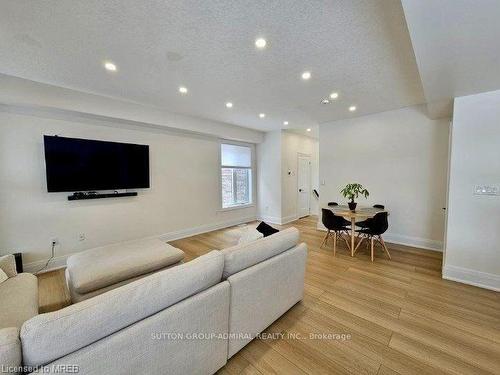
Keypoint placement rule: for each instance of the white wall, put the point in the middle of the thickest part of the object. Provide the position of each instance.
(277, 190)
(472, 253)
(184, 193)
(401, 157)
(269, 177)
(293, 145)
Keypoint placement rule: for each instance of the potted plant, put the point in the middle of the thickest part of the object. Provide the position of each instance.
(352, 191)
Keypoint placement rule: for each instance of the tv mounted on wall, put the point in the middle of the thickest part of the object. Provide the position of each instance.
(74, 164)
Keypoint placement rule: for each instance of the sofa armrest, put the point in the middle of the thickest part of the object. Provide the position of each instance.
(8, 265)
(262, 293)
(10, 350)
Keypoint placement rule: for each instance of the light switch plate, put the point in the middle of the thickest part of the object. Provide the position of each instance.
(487, 190)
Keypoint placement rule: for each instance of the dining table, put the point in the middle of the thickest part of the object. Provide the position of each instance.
(361, 213)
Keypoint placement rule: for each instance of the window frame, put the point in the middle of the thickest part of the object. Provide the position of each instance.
(253, 182)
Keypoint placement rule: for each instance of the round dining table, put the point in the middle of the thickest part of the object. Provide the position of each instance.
(361, 213)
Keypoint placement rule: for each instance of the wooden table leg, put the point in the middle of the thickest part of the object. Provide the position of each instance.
(353, 222)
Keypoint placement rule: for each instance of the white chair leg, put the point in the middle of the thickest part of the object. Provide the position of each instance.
(334, 242)
(325, 240)
(385, 247)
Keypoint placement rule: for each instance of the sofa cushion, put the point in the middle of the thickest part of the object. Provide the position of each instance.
(107, 265)
(47, 337)
(242, 256)
(18, 300)
(8, 265)
(77, 297)
(249, 235)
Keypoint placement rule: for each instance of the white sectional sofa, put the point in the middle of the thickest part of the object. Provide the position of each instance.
(18, 303)
(188, 319)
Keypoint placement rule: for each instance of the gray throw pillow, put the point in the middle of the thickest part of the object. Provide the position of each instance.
(8, 265)
(3, 276)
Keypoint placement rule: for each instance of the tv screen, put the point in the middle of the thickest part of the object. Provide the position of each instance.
(74, 164)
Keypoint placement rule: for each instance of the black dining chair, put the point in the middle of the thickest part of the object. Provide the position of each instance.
(377, 226)
(334, 204)
(366, 223)
(334, 225)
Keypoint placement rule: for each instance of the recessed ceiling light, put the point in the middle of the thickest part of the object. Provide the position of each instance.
(352, 108)
(306, 75)
(325, 101)
(183, 90)
(229, 105)
(260, 43)
(308, 129)
(110, 66)
(334, 95)
(262, 115)
(285, 123)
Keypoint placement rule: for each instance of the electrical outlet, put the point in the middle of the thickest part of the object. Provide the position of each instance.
(486, 190)
(81, 237)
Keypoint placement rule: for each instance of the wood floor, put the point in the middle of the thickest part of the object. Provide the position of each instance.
(401, 316)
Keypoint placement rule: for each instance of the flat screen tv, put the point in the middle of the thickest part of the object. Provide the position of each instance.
(74, 164)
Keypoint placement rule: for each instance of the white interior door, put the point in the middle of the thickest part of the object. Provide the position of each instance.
(304, 185)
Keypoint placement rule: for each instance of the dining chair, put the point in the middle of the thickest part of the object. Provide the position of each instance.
(334, 204)
(374, 231)
(335, 226)
(366, 223)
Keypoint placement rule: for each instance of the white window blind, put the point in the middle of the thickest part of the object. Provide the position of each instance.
(236, 156)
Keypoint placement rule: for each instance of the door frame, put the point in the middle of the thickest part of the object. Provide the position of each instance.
(304, 156)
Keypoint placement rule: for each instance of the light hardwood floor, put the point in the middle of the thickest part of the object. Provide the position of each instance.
(402, 317)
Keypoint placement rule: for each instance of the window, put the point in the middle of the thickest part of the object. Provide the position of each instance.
(236, 175)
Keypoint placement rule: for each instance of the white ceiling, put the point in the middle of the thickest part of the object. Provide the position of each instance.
(361, 49)
(457, 48)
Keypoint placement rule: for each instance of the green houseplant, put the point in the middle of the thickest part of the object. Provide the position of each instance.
(352, 191)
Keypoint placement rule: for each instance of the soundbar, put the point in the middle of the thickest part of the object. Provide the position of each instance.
(81, 196)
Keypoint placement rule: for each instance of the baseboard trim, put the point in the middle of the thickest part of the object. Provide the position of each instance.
(60, 261)
(183, 233)
(472, 277)
(278, 220)
(422, 243)
(289, 219)
(270, 219)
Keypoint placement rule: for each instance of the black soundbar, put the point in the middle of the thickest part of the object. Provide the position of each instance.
(80, 196)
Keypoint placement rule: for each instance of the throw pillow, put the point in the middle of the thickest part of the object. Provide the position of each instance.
(8, 265)
(249, 235)
(266, 229)
(3, 276)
